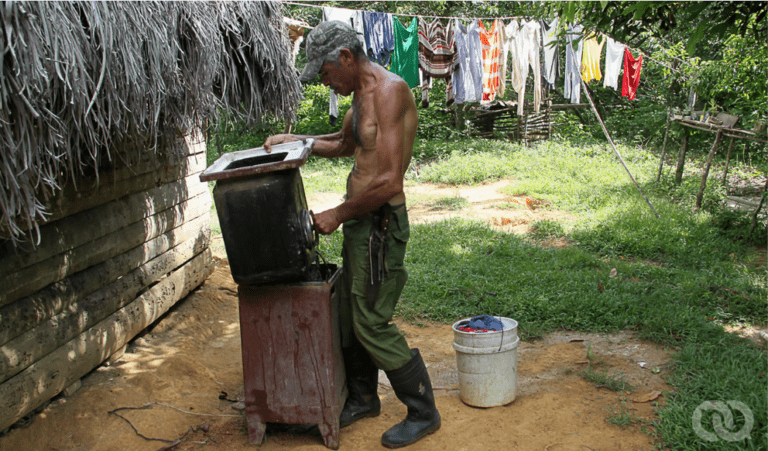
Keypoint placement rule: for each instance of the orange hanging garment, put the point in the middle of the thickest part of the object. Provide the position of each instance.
(491, 42)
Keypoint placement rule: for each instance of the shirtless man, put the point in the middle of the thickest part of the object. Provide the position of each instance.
(378, 131)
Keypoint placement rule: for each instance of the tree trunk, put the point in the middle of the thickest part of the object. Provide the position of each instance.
(704, 176)
(681, 157)
(727, 163)
(664, 146)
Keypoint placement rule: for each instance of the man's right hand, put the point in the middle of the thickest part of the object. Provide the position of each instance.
(278, 139)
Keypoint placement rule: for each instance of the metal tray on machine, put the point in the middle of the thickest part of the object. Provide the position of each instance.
(245, 163)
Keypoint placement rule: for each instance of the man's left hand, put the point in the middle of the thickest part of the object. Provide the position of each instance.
(326, 222)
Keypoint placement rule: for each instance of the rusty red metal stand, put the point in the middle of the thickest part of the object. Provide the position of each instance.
(292, 362)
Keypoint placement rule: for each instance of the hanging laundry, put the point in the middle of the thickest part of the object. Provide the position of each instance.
(503, 59)
(523, 39)
(425, 81)
(550, 48)
(354, 19)
(631, 79)
(296, 30)
(437, 49)
(468, 72)
(491, 44)
(614, 56)
(511, 37)
(405, 59)
(572, 88)
(351, 17)
(590, 62)
(379, 38)
(437, 54)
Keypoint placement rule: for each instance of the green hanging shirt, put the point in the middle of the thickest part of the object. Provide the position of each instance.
(405, 59)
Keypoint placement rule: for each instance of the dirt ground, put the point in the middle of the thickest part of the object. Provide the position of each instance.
(180, 385)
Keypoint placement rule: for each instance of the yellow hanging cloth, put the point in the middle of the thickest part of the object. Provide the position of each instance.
(590, 60)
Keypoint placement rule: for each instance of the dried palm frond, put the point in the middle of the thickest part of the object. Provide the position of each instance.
(78, 77)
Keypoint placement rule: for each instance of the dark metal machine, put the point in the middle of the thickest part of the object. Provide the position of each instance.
(267, 228)
(292, 365)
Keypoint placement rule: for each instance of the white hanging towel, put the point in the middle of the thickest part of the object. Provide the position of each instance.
(572, 88)
(549, 48)
(614, 58)
(523, 40)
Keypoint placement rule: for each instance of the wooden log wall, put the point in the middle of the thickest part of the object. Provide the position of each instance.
(113, 258)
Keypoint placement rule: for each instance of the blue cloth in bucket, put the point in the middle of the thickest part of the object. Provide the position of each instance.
(485, 322)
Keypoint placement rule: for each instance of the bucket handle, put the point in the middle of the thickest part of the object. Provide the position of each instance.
(493, 350)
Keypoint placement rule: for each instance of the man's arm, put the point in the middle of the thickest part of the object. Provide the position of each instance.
(333, 145)
(392, 104)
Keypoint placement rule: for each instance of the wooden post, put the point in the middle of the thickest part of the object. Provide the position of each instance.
(706, 169)
(681, 157)
(759, 207)
(615, 150)
(664, 147)
(727, 163)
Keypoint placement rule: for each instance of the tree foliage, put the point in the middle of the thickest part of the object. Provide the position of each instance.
(694, 22)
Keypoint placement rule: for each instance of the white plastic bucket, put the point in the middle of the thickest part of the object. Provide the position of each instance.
(487, 363)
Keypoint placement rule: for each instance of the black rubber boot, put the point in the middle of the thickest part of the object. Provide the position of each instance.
(413, 387)
(362, 386)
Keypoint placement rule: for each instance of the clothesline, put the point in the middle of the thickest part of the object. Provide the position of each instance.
(635, 50)
(645, 55)
(413, 15)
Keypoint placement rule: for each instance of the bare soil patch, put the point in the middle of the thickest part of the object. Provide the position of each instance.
(183, 378)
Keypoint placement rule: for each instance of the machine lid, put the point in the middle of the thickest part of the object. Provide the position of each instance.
(244, 163)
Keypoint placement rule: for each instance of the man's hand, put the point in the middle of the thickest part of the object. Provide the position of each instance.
(327, 222)
(278, 139)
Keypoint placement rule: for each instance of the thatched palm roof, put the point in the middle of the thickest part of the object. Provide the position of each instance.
(77, 77)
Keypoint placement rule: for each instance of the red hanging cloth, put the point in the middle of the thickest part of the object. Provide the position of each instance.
(631, 78)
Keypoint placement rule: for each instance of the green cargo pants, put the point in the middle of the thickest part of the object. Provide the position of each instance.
(373, 327)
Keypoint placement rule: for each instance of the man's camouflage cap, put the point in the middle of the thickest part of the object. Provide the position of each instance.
(324, 40)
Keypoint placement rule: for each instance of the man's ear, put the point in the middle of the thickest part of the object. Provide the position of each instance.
(346, 56)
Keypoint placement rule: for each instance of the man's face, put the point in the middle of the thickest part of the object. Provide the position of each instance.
(335, 74)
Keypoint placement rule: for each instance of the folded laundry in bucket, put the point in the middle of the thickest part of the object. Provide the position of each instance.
(484, 323)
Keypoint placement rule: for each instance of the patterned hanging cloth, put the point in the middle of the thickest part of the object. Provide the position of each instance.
(491, 42)
(437, 54)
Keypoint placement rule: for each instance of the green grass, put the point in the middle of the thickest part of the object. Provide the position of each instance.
(613, 382)
(322, 175)
(679, 277)
(450, 203)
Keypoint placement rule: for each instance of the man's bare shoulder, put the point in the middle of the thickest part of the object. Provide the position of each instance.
(392, 89)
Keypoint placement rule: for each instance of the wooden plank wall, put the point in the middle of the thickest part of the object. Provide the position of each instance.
(112, 259)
